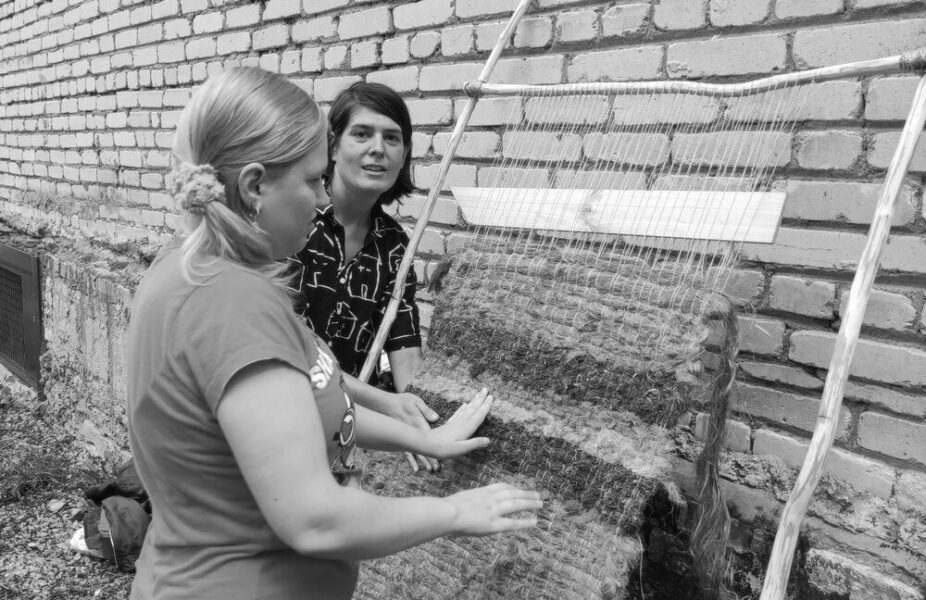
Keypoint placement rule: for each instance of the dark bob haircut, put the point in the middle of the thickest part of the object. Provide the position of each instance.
(385, 101)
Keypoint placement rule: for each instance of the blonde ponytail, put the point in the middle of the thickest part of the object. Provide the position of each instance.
(238, 117)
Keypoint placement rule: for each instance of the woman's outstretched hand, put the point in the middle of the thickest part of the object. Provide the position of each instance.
(485, 510)
(453, 437)
(411, 409)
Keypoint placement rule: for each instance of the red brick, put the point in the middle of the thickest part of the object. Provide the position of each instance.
(543, 146)
(890, 98)
(362, 23)
(424, 43)
(335, 58)
(458, 175)
(513, 177)
(731, 13)
(837, 44)
(647, 109)
(395, 50)
(327, 88)
(444, 212)
(673, 15)
(577, 111)
(425, 13)
(314, 29)
(480, 8)
(891, 436)
(421, 144)
(535, 32)
(641, 149)
(883, 145)
(826, 101)
(743, 286)
(862, 474)
(786, 408)
(803, 297)
(492, 111)
(475, 144)
(740, 149)
(842, 201)
(576, 26)
(837, 250)
(431, 111)
(644, 62)
(547, 68)
(624, 19)
(885, 310)
(454, 41)
(887, 399)
(830, 150)
(874, 360)
(605, 179)
(432, 242)
(787, 9)
(740, 55)
(776, 373)
(761, 335)
(442, 77)
(403, 79)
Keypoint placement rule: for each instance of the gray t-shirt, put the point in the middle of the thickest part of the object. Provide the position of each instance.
(208, 538)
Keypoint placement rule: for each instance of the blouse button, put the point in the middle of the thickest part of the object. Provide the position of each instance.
(343, 280)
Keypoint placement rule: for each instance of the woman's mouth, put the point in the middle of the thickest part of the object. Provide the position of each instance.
(374, 168)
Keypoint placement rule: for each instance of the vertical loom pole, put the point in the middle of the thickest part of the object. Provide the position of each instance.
(397, 291)
(779, 568)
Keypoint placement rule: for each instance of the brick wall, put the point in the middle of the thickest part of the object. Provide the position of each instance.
(90, 90)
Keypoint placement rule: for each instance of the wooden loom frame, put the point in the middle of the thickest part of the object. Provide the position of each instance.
(779, 566)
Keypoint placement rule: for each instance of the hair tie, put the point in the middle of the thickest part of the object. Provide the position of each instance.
(194, 187)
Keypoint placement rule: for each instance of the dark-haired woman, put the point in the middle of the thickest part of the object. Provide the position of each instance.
(348, 267)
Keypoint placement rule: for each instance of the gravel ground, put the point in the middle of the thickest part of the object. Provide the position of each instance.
(42, 479)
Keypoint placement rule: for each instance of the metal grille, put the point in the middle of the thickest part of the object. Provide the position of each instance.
(20, 314)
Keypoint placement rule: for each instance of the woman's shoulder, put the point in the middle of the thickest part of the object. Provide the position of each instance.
(239, 282)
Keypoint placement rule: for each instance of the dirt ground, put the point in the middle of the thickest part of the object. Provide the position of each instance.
(42, 479)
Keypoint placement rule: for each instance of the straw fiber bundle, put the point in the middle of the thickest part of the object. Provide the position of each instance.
(588, 385)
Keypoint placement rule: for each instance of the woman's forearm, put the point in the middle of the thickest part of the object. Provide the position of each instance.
(377, 431)
(404, 363)
(368, 396)
(356, 529)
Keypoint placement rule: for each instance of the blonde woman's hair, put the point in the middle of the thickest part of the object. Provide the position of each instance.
(238, 117)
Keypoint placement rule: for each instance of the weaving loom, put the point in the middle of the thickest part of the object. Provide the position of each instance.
(589, 298)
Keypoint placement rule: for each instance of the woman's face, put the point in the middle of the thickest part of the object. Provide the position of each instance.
(288, 202)
(369, 154)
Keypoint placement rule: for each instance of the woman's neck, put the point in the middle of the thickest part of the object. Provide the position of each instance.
(351, 208)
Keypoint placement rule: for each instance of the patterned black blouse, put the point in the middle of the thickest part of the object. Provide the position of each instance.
(345, 304)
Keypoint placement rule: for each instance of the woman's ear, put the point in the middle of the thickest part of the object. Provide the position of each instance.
(250, 180)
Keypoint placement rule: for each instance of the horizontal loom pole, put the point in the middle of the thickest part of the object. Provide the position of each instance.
(408, 258)
(909, 62)
(779, 568)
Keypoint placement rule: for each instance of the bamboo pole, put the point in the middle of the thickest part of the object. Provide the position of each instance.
(393, 307)
(902, 63)
(776, 577)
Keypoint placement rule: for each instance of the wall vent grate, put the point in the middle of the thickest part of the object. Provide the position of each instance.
(20, 313)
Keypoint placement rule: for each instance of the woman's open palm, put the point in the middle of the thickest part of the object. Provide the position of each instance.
(453, 438)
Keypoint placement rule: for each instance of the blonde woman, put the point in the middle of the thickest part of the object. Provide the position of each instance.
(241, 425)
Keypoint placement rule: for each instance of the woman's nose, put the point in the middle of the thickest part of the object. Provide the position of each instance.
(376, 144)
